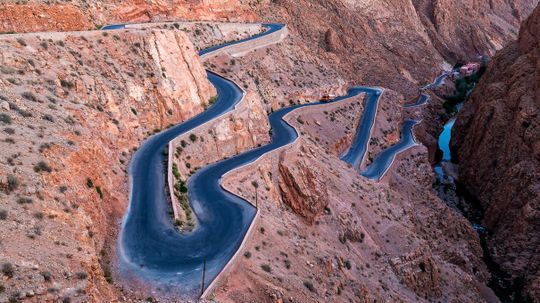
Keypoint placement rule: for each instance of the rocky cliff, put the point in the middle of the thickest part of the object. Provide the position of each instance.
(497, 141)
(73, 108)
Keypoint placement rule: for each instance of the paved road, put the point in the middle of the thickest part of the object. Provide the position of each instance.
(358, 150)
(384, 159)
(437, 82)
(149, 246)
(423, 99)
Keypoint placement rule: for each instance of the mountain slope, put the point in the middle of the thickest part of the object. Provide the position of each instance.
(497, 140)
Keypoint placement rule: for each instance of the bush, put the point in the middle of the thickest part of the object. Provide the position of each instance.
(13, 183)
(48, 117)
(266, 268)
(29, 96)
(47, 276)
(67, 84)
(193, 137)
(181, 186)
(42, 166)
(247, 254)
(5, 118)
(3, 214)
(175, 171)
(8, 270)
(310, 286)
(9, 130)
(24, 200)
(89, 183)
(212, 100)
(100, 193)
(81, 275)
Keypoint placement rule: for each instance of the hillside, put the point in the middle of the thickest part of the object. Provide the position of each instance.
(497, 140)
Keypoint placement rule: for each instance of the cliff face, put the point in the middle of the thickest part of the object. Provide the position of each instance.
(497, 140)
(398, 44)
(73, 108)
(461, 30)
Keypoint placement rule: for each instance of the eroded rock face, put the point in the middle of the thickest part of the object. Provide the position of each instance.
(301, 188)
(41, 17)
(453, 25)
(419, 272)
(497, 140)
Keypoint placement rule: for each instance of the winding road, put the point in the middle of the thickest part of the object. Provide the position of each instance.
(423, 99)
(150, 247)
(356, 154)
(382, 162)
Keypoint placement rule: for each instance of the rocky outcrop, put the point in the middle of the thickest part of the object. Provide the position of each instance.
(497, 141)
(37, 18)
(419, 271)
(143, 11)
(300, 188)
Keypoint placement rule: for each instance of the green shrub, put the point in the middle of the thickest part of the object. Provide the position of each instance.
(3, 214)
(181, 186)
(175, 171)
(193, 137)
(89, 183)
(5, 118)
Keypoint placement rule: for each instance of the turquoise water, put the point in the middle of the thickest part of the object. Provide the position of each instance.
(444, 140)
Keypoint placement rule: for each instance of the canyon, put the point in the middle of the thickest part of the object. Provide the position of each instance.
(497, 142)
(76, 106)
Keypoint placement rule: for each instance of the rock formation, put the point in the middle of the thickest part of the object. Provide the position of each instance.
(301, 189)
(497, 141)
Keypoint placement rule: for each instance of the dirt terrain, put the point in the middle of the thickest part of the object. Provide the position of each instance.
(75, 106)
